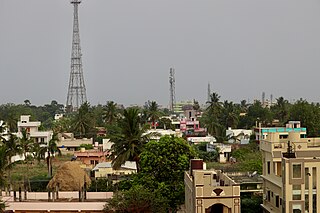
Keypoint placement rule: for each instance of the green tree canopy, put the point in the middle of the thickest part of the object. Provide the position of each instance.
(163, 165)
(138, 199)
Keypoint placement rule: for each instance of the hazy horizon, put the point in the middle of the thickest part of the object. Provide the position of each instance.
(242, 48)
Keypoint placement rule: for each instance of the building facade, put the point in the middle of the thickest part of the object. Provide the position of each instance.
(261, 133)
(210, 191)
(32, 129)
(290, 173)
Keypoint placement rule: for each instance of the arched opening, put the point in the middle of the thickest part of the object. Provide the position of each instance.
(218, 208)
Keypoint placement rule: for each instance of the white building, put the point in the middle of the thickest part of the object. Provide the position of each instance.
(58, 116)
(67, 142)
(106, 145)
(224, 151)
(105, 169)
(156, 134)
(241, 136)
(32, 128)
(198, 140)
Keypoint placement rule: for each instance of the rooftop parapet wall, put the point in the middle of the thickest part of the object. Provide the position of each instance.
(68, 201)
(274, 143)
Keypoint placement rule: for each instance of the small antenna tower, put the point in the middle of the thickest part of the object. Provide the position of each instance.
(209, 92)
(77, 90)
(172, 90)
(271, 99)
(263, 98)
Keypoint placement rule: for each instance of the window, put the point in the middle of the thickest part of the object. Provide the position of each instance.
(268, 196)
(296, 192)
(306, 178)
(314, 203)
(277, 201)
(296, 170)
(306, 202)
(277, 168)
(296, 208)
(268, 167)
(314, 177)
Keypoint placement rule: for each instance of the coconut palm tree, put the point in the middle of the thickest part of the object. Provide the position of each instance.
(4, 164)
(244, 106)
(212, 115)
(281, 109)
(196, 105)
(83, 123)
(52, 149)
(11, 122)
(129, 140)
(153, 112)
(26, 145)
(214, 104)
(13, 148)
(110, 112)
(230, 114)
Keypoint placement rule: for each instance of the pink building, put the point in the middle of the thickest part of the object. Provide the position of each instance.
(91, 157)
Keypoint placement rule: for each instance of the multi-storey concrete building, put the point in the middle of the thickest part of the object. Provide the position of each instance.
(210, 191)
(292, 126)
(291, 169)
(32, 129)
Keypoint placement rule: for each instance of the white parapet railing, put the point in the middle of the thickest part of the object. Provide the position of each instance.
(68, 201)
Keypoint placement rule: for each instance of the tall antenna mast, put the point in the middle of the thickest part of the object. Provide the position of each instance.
(172, 90)
(77, 90)
(209, 92)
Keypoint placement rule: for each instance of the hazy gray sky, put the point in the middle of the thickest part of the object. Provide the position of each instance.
(242, 47)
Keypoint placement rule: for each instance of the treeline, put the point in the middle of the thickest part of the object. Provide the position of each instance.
(218, 115)
(83, 122)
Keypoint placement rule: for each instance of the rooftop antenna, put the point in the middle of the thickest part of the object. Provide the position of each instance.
(76, 90)
(172, 90)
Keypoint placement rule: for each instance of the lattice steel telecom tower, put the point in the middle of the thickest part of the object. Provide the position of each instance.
(172, 90)
(77, 90)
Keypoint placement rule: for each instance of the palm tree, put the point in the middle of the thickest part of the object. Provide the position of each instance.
(230, 114)
(196, 105)
(244, 106)
(153, 112)
(3, 165)
(110, 113)
(281, 109)
(52, 148)
(214, 104)
(26, 145)
(11, 122)
(212, 115)
(13, 148)
(129, 140)
(83, 122)
(2, 129)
